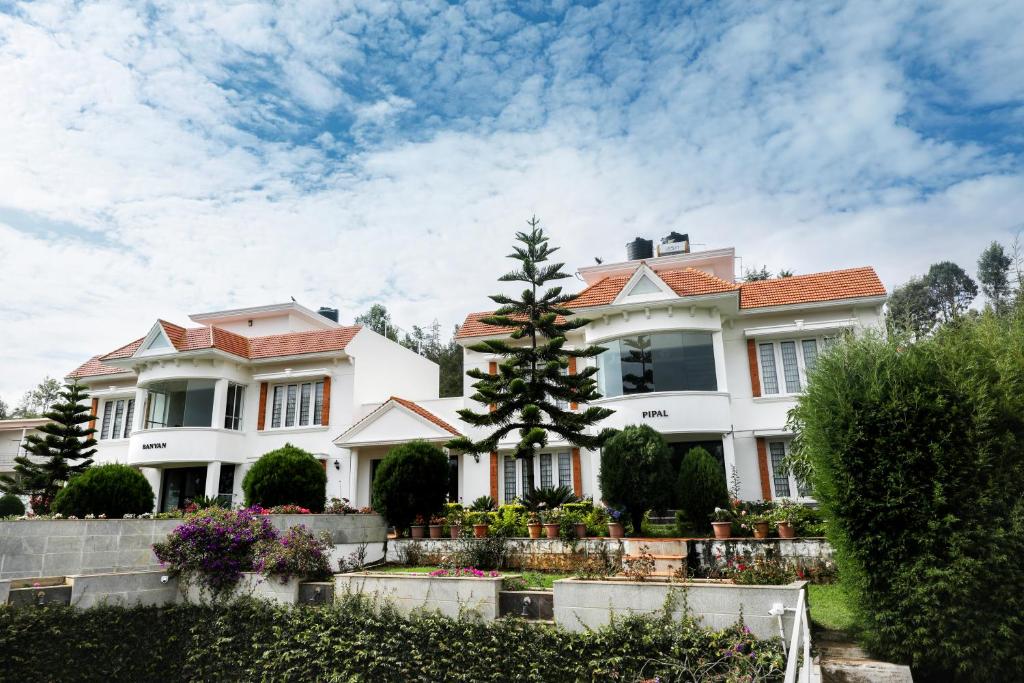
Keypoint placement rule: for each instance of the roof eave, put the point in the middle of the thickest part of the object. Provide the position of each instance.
(828, 303)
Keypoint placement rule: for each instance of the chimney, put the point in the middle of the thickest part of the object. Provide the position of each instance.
(674, 243)
(329, 313)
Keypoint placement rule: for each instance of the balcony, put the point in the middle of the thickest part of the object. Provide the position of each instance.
(183, 445)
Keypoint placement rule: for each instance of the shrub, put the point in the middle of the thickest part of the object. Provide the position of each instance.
(701, 487)
(111, 490)
(287, 476)
(11, 506)
(483, 504)
(510, 521)
(913, 451)
(297, 553)
(411, 480)
(550, 499)
(634, 470)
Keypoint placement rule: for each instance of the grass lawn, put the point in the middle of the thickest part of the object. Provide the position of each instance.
(533, 579)
(832, 607)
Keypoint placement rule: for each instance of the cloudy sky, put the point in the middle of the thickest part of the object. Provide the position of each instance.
(169, 158)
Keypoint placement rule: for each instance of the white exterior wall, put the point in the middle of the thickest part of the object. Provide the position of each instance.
(388, 369)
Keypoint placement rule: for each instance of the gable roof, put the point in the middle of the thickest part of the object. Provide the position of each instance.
(834, 285)
(423, 412)
(385, 408)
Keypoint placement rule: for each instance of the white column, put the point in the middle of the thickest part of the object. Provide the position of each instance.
(220, 402)
(152, 475)
(718, 344)
(729, 457)
(212, 479)
(353, 478)
(139, 416)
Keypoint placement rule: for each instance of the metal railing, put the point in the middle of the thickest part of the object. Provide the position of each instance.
(798, 659)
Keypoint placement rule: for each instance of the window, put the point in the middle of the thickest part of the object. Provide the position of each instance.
(528, 484)
(233, 410)
(117, 418)
(795, 357)
(297, 405)
(180, 403)
(226, 484)
(564, 470)
(510, 479)
(784, 482)
(545, 471)
(665, 361)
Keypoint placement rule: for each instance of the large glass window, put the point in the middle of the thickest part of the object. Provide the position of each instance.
(564, 470)
(117, 418)
(233, 410)
(796, 357)
(297, 405)
(665, 361)
(180, 403)
(510, 479)
(784, 482)
(545, 471)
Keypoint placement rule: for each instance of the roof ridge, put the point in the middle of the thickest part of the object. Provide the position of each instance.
(804, 276)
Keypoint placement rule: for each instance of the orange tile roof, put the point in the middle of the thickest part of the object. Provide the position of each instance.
(800, 289)
(684, 282)
(126, 351)
(473, 327)
(423, 412)
(95, 367)
(297, 343)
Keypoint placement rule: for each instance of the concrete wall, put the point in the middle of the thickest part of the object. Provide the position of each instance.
(31, 549)
(408, 592)
(704, 551)
(524, 553)
(127, 589)
(251, 585)
(580, 605)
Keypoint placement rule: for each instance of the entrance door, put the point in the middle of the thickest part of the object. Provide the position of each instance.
(180, 485)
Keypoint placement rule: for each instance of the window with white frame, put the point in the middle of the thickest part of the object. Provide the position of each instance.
(510, 478)
(118, 414)
(545, 471)
(784, 483)
(564, 470)
(785, 364)
(297, 405)
(233, 409)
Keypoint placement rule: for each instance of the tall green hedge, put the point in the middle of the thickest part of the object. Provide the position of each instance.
(113, 490)
(411, 480)
(914, 451)
(636, 473)
(286, 476)
(253, 641)
(701, 487)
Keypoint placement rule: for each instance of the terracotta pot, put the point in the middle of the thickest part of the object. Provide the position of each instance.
(456, 530)
(786, 530)
(416, 531)
(551, 530)
(761, 529)
(534, 529)
(581, 530)
(480, 530)
(723, 530)
(435, 530)
(615, 530)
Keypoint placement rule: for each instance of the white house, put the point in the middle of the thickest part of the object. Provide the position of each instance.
(194, 407)
(12, 440)
(701, 358)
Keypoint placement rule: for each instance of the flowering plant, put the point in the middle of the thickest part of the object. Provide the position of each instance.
(552, 516)
(436, 520)
(287, 510)
(614, 516)
(298, 553)
(532, 518)
(339, 506)
(418, 521)
(721, 515)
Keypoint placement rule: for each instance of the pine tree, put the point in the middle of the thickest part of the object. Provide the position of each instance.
(532, 379)
(64, 449)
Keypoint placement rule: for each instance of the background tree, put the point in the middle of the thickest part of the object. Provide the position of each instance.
(636, 472)
(912, 308)
(994, 275)
(702, 487)
(411, 480)
(37, 401)
(379, 320)
(785, 272)
(531, 379)
(952, 289)
(754, 274)
(65, 448)
(4, 410)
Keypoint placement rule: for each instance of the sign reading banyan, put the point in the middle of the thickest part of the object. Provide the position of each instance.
(654, 413)
(147, 446)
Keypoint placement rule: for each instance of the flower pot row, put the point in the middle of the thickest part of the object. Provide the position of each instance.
(723, 530)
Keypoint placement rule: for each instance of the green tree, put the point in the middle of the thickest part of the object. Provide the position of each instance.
(379, 320)
(994, 275)
(702, 487)
(532, 378)
(912, 308)
(36, 402)
(785, 272)
(636, 472)
(411, 480)
(952, 289)
(755, 274)
(4, 410)
(64, 449)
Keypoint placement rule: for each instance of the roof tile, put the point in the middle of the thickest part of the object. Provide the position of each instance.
(801, 289)
(423, 412)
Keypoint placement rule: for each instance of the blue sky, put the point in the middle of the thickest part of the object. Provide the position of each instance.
(168, 158)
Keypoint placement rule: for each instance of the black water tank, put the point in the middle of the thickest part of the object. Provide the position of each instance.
(639, 249)
(674, 237)
(329, 313)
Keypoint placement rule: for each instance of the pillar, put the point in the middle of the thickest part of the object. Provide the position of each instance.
(152, 475)
(139, 416)
(729, 459)
(212, 479)
(220, 403)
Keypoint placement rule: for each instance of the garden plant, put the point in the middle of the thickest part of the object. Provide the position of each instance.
(286, 476)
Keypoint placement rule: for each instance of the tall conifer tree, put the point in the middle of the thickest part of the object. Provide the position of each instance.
(532, 380)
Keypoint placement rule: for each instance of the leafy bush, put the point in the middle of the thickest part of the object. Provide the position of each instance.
(111, 490)
(634, 469)
(701, 487)
(510, 521)
(253, 641)
(549, 499)
(913, 451)
(411, 480)
(286, 476)
(483, 504)
(297, 553)
(11, 506)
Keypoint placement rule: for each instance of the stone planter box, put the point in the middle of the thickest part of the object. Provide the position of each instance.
(450, 596)
(251, 585)
(582, 604)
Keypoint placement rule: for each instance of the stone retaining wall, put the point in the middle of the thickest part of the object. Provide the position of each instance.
(409, 592)
(127, 589)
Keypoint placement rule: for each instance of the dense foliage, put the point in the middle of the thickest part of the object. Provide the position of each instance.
(411, 481)
(251, 641)
(636, 472)
(64, 449)
(701, 487)
(296, 553)
(287, 476)
(540, 499)
(112, 490)
(11, 506)
(914, 452)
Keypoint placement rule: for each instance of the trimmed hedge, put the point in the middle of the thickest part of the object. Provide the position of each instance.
(11, 506)
(111, 490)
(701, 487)
(286, 476)
(411, 480)
(913, 451)
(252, 641)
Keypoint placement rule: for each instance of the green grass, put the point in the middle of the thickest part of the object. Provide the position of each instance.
(832, 607)
(543, 580)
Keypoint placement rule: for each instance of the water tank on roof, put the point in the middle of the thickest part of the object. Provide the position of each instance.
(674, 243)
(639, 249)
(329, 313)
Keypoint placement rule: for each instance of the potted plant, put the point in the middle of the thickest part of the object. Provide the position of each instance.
(455, 523)
(552, 522)
(785, 515)
(417, 527)
(481, 521)
(574, 519)
(436, 526)
(721, 520)
(615, 528)
(533, 524)
(762, 525)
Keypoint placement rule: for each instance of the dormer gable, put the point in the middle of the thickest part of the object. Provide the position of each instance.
(643, 286)
(159, 340)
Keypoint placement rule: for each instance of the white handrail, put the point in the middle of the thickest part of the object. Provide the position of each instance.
(801, 636)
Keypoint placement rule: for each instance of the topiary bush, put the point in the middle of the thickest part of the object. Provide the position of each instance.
(635, 467)
(701, 487)
(11, 506)
(112, 490)
(287, 476)
(411, 480)
(913, 451)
